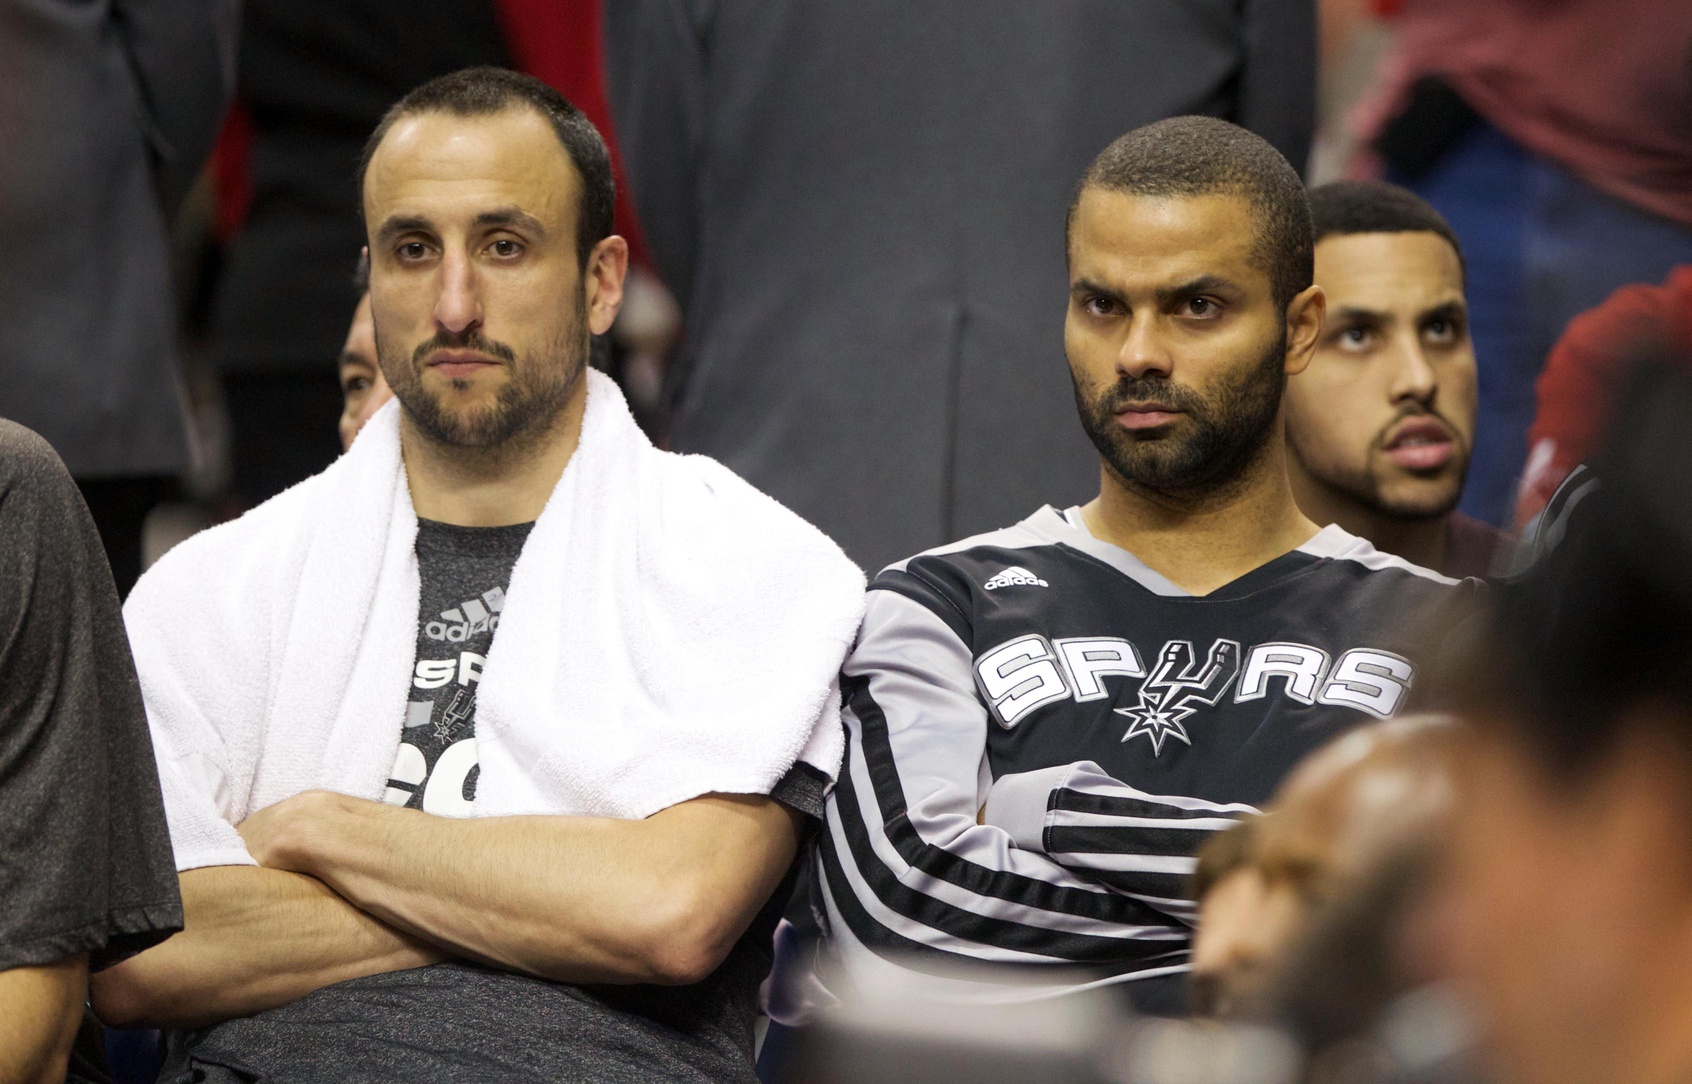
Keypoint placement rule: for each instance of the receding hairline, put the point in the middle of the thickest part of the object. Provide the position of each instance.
(515, 106)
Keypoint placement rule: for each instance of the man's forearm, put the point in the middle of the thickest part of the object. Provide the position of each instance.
(577, 899)
(40, 1008)
(253, 939)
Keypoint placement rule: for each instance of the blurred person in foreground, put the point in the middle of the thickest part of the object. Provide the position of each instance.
(486, 751)
(1381, 423)
(1357, 803)
(1047, 721)
(106, 112)
(1575, 394)
(85, 860)
(853, 202)
(1570, 901)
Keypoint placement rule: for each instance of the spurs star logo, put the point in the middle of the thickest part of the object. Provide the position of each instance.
(1177, 688)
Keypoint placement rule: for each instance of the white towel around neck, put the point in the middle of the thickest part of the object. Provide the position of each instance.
(669, 631)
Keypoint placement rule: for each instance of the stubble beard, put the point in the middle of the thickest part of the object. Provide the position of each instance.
(1224, 435)
(535, 394)
(1367, 488)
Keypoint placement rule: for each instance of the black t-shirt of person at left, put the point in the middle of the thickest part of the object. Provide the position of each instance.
(464, 572)
(85, 859)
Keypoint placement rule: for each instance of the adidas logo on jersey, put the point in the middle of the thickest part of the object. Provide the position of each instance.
(1015, 576)
(474, 615)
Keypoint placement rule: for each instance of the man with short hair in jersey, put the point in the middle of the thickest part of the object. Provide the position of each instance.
(1046, 721)
(1380, 424)
(487, 752)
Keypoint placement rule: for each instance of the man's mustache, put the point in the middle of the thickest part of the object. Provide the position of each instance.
(468, 341)
(1150, 389)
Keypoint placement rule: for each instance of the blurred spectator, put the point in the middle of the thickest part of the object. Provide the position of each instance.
(316, 76)
(1585, 367)
(1352, 807)
(363, 388)
(1244, 921)
(85, 860)
(1555, 139)
(856, 205)
(106, 112)
(1380, 425)
(1571, 894)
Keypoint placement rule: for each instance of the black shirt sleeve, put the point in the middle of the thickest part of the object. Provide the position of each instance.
(803, 788)
(85, 859)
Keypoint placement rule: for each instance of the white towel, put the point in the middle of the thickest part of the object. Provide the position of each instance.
(669, 631)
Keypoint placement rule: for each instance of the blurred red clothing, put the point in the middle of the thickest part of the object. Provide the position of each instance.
(1584, 371)
(1601, 87)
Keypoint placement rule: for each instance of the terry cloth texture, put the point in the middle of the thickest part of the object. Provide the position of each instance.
(671, 632)
(84, 857)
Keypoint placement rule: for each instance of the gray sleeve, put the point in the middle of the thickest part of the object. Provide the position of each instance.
(182, 55)
(1136, 843)
(905, 860)
(1277, 89)
(85, 859)
(655, 57)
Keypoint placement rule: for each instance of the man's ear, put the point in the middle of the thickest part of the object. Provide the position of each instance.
(602, 282)
(1304, 327)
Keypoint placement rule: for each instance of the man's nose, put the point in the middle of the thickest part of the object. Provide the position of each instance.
(1144, 351)
(458, 306)
(1413, 375)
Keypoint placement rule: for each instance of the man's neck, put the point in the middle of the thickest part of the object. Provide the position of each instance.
(1422, 541)
(1201, 543)
(491, 487)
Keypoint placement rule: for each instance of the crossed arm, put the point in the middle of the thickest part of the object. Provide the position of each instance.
(347, 887)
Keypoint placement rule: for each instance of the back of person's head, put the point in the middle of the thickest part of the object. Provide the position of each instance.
(1568, 893)
(1599, 622)
(1345, 208)
(486, 91)
(1187, 157)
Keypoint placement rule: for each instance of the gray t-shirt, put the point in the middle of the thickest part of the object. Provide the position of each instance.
(463, 1021)
(85, 862)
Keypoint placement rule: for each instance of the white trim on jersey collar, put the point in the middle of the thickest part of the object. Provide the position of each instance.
(1333, 542)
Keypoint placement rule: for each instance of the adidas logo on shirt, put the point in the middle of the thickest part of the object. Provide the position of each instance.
(1015, 576)
(474, 615)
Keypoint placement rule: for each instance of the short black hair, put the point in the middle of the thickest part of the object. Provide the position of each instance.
(1349, 207)
(484, 91)
(1203, 156)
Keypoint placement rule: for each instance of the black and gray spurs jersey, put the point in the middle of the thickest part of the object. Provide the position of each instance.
(1042, 730)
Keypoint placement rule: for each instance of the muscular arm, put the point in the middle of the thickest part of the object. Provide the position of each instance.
(577, 899)
(254, 939)
(40, 1008)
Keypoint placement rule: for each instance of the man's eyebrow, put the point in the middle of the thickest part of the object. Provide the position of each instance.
(1355, 314)
(1455, 308)
(1088, 286)
(398, 224)
(1203, 284)
(511, 216)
